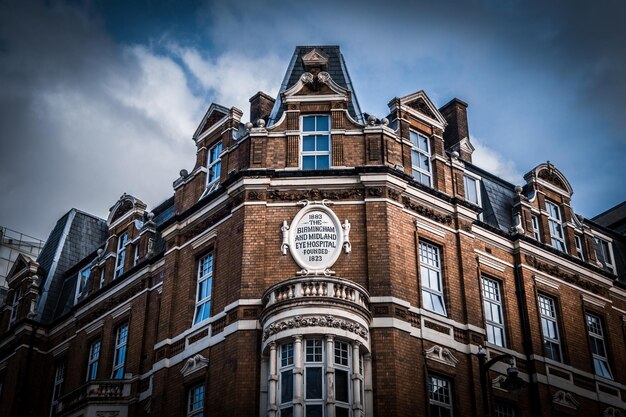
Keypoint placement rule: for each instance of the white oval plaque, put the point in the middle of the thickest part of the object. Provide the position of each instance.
(315, 238)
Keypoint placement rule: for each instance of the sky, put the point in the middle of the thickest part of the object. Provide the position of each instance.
(102, 97)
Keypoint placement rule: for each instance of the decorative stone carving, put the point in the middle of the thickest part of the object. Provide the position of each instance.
(284, 247)
(315, 194)
(421, 106)
(612, 412)
(306, 78)
(441, 354)
(312, 321)
(194, 364)
(347, 246)
(323, 77)
(315, 58)
(565, 399)
(556, 272)
(518, 228)
(426, 212)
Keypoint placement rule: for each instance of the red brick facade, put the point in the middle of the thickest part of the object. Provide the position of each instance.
(377, 297)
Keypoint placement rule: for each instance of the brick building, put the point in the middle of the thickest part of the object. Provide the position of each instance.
(320, 261)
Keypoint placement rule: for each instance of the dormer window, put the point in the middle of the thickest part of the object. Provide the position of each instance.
(122, 241)
(214, 167)
(81, 283)
(15, 305)
(605, 253)
(472, 189)
(420, 158)
(556, 226)
(315, 142)
(579, 247)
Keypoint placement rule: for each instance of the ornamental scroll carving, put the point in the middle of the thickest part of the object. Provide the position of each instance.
(312, 321)
(556, 272)
(315, 194)
(426, 212)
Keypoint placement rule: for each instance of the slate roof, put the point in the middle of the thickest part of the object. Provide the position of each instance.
(336, 68)
(613, 218)
(76, 235)
(497, 199)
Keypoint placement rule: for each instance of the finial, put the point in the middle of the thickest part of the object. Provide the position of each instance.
(260, 123)
(183, 173)
(371, 119)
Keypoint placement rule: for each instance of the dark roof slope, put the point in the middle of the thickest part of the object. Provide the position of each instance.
(613, 218)
(76, 235)
(336, 68)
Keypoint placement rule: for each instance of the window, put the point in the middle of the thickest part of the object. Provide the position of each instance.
(536, 229)
(556, 227)
(550, 328)
(15, 305)
(605, 254)
(94, 358)
(122, 241)
(286, 380)
(342, 379)
(440, 397)
(430, 273)
(214, 167)
(492, 302)
(503, 410)
(420, 157)
(315, 142)
(195, 402)
(598, 347)
(579, 247)
(472, 190)
(204, 288)
(59, 376)
(136, 257)
(81, 284)
(102, 277)
(119, 357)
(315, 378)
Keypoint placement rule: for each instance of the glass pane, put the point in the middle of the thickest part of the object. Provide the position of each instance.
(314, 410)
(308, 124)
(207, 310)
(286, 386)
(286, 412)
(322, 123)
(323, 162)
(427, 301)
(322, 143)
(423, 143)
(308, 162)
(313, 377)
(438, 304)
(308, 143)
(342, 412)
(341, 386)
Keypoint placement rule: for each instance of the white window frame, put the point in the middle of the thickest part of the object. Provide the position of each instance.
(428, 267)
(102, 277)
(428, 153)
(214, 166)
(80, 285)
(446, 384)
(342, 361)
(579, 247)
(475, 185)
(121, 347)
(536, 227)
(120, 255)
(136, 255)
(94, 359)
(607, 252)
(195, 396)
(556, 226)
(204, 277)
(59, 377)
(286, 364)
(313, 364)
(15, 305)
(596, 332)
(550, 314)
(503, 410)
(493, 305)
(315, 132)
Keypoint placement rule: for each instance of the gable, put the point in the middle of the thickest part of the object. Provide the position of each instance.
(214, 114)
(420, 106)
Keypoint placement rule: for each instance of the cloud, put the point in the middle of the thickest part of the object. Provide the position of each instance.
(233, 78)
(492, 161)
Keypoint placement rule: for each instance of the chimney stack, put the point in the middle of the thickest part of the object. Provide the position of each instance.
(260, 106)
(456, 134)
